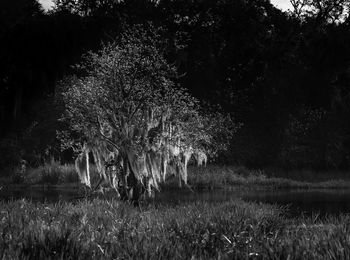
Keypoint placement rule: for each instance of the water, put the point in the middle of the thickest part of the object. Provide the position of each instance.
(298, 201)
(40, 194)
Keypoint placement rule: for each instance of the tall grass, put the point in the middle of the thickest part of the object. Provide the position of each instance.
(102, 229)
(52, 173)
(213, 177)
(210, 177)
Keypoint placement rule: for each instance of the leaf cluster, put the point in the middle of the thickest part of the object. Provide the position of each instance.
(128, 96)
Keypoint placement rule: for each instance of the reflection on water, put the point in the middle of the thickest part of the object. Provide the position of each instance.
(38, 194)
(299, 201)
(307, 201)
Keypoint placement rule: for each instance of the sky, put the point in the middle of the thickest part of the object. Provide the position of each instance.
(282, 4)
(47, 4)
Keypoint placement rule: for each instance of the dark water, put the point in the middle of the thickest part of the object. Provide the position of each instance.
(298, 201)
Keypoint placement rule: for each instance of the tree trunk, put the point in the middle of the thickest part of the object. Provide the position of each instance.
(130, 188)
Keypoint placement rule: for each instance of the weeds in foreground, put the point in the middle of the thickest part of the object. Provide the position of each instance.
(102, 229)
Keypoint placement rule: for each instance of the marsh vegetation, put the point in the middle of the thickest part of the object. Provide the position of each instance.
(182, 224)
(109, 229)
(199, 178)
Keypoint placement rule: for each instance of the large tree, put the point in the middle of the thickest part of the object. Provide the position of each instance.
(126, 104)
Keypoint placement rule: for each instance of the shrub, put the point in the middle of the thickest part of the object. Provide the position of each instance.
(53, 173)
(10, 154)
(17, 178)
(50, 175)
(313, 140)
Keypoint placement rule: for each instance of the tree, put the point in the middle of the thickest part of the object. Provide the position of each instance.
(323, 11)
(127, 105)
(15, 18)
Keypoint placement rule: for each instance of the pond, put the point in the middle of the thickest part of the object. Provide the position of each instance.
(298, 201)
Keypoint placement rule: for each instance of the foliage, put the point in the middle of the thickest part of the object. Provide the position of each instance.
(202, 178)
(227, 177)
(17, 178)
(259, 63)
(39, 138)
(51, 173)
(10, 153)
(110, 229)
(128, 86)
(322, 11)
(127, 99)
(302, 137)
(36, 143)
(313, 139)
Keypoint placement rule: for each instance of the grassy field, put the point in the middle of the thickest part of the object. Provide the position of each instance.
(101, 229)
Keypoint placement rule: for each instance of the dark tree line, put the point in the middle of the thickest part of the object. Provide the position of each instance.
(284, 76)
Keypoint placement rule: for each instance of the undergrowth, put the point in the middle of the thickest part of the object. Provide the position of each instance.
(213, 177)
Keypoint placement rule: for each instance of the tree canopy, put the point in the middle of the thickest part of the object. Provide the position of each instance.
(127, 98)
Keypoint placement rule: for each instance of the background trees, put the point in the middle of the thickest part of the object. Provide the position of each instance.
(260, 64)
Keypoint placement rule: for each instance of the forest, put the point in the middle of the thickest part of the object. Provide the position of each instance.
(281, 76)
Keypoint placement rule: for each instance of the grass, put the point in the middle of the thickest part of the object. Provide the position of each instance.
(54, 174)
(214, 177)
(101, 229)
(210, 177)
